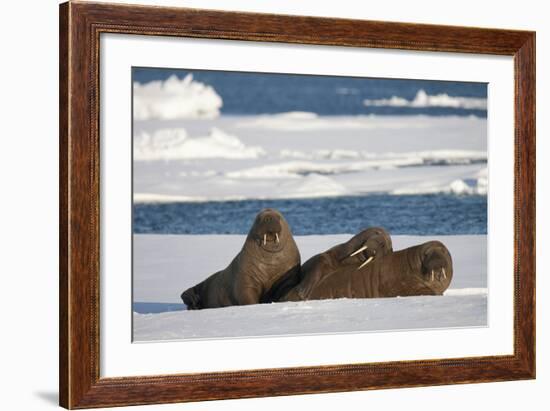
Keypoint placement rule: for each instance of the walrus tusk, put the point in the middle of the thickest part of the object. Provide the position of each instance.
(444, 274)
(433, 276)
(358, 251)
(265, 238)
(366, 262)
(277, 237)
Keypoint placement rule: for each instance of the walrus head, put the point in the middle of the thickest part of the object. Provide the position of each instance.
(270, 230)
(363, 248)
(425, 269)
(436, 265)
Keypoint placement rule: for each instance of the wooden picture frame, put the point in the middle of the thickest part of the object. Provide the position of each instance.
(80, 27)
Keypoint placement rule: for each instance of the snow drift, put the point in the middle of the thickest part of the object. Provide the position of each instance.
(175, 99)
(477, 185)
(174, 144)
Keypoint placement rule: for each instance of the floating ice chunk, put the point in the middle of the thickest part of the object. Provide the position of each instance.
(482, 181)
(175, 99)
(297, 115)
(174, 144)
(457, 187)
(423, 99)
(460, 187)
(393, 101)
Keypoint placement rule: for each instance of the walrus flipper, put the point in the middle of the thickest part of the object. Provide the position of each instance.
(191, 298)
(286, 283)
(314, 271)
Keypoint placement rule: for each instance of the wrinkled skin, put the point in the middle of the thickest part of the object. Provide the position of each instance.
(425, 269)
(360, 251)
(269, 255)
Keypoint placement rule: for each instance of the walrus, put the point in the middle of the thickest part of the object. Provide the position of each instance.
(424, 269)
(363, 248)
(269, 254)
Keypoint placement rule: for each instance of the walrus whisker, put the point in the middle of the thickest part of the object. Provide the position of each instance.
(358, 251)
(265, 239)
(366, 262)
(277, 237)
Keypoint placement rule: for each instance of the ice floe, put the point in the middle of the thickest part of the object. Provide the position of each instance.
(422, 100)
(174, 144)
(175, 99)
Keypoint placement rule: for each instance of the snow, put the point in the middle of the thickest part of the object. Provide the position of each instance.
(435, 184)
(310, 186)
(305, 155)
(175, 99)
(390, 158)
(314, 317)
(303, 180)
(466, 291)
(165, 265)
(304, 121)
(422, 99)
(174, 144)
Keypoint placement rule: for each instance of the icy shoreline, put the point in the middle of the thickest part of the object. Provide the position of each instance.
(165, 265)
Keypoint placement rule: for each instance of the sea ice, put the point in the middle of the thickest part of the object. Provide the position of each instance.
(175, 99)
(423, 99)
(165, 265)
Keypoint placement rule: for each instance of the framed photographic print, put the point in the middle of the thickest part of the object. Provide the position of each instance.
(257, 205)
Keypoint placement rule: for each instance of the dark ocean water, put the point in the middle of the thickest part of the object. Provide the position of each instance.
(252, 93)
(407, 214)
(156, 308)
